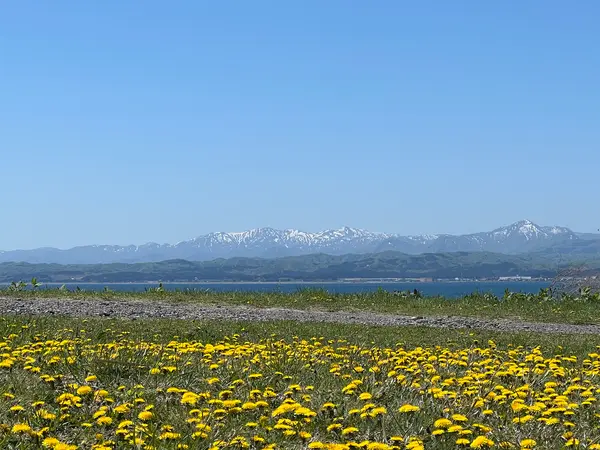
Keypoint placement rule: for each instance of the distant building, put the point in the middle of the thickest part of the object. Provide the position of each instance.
(514, 278)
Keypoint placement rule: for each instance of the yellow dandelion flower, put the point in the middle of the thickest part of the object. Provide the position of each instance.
(21, 428)
(408, 408)
(104, 420)
(481, 441)
(50, 442)
(442, 423)
(459, 418)
(84, 390)
(145, 415)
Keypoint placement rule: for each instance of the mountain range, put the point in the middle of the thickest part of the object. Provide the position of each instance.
(518, 238)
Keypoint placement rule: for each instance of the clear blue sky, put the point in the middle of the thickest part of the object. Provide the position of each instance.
(127, 122)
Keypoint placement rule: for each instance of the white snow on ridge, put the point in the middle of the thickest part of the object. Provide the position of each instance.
(287, 237)
(424, 237)
(293, 237)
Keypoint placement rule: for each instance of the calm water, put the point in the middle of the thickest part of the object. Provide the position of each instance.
(449, 289)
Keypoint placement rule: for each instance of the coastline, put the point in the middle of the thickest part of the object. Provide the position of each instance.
(360, 281)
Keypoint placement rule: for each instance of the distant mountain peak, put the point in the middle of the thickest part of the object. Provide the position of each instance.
(520, 223)
(531, 230)
(526, 228)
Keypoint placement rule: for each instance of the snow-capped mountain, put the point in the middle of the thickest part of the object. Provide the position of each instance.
(268, 242)
(520, 237)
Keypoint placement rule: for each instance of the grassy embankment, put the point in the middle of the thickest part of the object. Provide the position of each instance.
(541, 307)
(160, 384)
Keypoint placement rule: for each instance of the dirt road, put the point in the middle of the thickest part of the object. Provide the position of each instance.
(133, 309)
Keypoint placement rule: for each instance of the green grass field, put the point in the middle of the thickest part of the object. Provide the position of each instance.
(161, 384)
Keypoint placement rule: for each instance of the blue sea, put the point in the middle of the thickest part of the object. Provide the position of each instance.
(446, 289)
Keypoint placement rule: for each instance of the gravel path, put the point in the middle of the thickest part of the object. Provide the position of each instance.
(133, 309)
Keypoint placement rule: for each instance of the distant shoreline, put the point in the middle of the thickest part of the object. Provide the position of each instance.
(362, 281)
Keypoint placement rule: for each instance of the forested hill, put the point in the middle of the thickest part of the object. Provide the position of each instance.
(315, 267)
